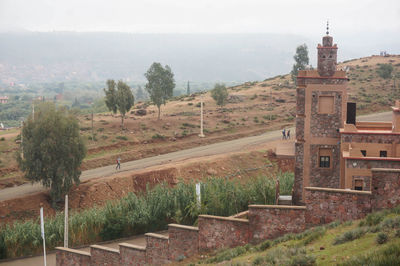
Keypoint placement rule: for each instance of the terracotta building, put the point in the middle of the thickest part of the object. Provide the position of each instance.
(333, 150)
(3, 99)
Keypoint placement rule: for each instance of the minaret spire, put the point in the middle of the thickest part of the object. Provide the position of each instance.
(327, 27)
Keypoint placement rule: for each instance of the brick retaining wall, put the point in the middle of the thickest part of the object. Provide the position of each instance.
(132, 255)
(325, 205)
(217, 232)
(183, 241)
(270, 221)
(101, 255)
(156, 249)
(68, 256)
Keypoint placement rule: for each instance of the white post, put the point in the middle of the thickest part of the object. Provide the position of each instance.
(198, 194)
(66, 222)
(201, 135)
(43, 236)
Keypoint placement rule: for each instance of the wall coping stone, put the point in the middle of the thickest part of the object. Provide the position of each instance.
(180, 226)
(105, 248)
(336, 190)
(278, 207)
(84, 253)
(157, 236)
(385, 170)
(224, 218)
(142, 248)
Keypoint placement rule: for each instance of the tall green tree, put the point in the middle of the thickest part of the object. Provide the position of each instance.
(160, 84)
(120, 99)
(52, 149)
(301, 60)
(220, 94)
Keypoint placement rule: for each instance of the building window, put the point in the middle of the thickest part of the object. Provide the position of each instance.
(358, 185)
(383, 154)
(324, 161)
(364, 152)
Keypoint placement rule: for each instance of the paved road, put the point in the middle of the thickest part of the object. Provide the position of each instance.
(207, 150)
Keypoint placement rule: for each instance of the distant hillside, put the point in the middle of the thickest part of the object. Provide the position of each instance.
(62, 56)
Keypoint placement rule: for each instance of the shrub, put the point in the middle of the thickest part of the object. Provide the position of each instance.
(190, 104)
(389, 255)
(258, 261)
(100, 129)
(349, 236)
(385, 71)
(264, 245)
(381, 238)
(374, 218)
(121, 137)
(158, 136)
(2, 139)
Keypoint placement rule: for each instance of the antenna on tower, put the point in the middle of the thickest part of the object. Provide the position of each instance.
(327, 27)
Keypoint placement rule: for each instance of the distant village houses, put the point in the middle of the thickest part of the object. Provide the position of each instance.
(3, 99)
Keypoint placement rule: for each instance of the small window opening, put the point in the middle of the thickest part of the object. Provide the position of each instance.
(364, 152)
(324, 161)
(358, 185)
(383, 154)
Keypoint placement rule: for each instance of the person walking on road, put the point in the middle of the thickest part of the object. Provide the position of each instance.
(288, 134)
(118, 163)
(284, 134)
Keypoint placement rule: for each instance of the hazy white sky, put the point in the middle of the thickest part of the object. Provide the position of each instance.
(201, 16)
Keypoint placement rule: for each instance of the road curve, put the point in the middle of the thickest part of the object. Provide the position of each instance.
(207, 150)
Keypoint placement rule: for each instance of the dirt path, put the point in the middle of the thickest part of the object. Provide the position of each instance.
(242, 144)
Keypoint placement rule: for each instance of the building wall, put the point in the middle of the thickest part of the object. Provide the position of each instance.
(132, 255)
(361, 168)
(385, 188)
(271, 221)
(326, 205)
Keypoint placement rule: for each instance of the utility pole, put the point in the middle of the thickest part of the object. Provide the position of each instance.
(22, 138)
(92, 127)
(66, 222)
(201, 135)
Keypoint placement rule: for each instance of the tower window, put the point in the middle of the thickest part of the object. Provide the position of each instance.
(364, 152)
(324, 161)
(383, 154)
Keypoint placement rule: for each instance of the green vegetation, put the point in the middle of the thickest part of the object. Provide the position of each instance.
(120, 99)
(145, 212)
(52, 149)
(160, 84)
(220, 94)
(385, 71)
(301, 60)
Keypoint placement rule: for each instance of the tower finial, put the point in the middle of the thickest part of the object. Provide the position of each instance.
(327, 27)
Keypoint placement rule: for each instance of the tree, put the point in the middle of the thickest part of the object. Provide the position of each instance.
(160, 84)
(385, 71)
(220, 94)
(301, 59)
(52, 149)
(140, 94)
(120, 99)
(188, 88)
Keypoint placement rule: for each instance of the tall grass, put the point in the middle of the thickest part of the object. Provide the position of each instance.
(146, 212)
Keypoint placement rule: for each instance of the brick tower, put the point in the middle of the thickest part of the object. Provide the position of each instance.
(321, 110)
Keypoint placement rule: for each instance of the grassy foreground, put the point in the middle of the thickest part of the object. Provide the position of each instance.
(374, 240)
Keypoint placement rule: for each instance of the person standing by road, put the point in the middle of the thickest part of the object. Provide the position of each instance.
(288, 134)
(284, 134)
(118, 163)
